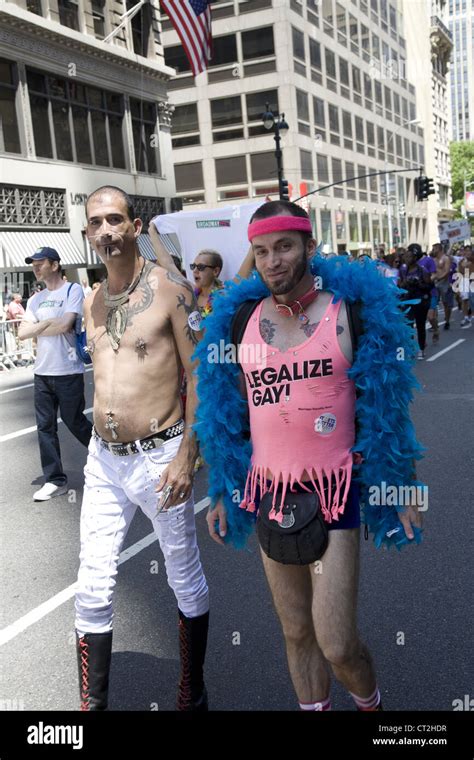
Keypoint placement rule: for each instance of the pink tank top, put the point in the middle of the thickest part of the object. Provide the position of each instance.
(302, 415)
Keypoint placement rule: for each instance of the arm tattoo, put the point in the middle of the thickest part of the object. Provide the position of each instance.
(179, 280)
(267, 330)
(188, 309)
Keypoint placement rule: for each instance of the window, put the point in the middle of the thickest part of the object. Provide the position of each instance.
(72, 122)
(231, 171)
(68, 14)
(337, 176)
(326, 229)
(258, 43)
(334, 124)
(396, 107)
(331, 70)
(34, 6)
(344, 78)
(328, 20)
(390, 145)
(141, 27)
(341, 24)
(144, 127)
(177, 59)
(298, 44)
(350, 186)
(188, 177)
(9, 135)
(388, 102)
(227, 112)
(347, 129)
(370, 138)
(375, 47)
(319, 117)
(185, 121)
(381, 142)
(224, 50)
(359, 132)
(263, 166)
(365, 42)
(306, 161)
(256, 105)
(315, 54)
(354, 34)
(356, 85)
(368, 91)
(378, 97)
(362, 182)
(98, 17)
(322, 172)
(330, 64)
(303, 112)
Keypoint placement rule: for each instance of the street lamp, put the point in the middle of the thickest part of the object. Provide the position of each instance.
(387, 188)
(280, 128)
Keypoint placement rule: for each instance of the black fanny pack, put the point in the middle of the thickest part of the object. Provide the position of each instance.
(302, 536)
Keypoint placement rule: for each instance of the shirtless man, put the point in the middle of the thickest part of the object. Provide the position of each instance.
(142, 327)
(441, 281)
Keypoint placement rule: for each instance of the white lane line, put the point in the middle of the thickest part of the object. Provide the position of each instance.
(25, 431)
(30, 385)
(445, 350)
(32, 617)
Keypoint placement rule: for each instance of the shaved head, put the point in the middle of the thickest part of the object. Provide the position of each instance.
(107, 190)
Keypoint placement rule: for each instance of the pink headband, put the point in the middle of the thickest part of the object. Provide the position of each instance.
(277, 224)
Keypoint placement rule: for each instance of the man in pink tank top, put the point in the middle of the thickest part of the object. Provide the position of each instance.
(302, 428)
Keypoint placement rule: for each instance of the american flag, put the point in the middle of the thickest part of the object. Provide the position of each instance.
(192, 21)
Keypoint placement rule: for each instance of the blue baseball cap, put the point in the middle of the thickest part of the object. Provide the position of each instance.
(43, 253)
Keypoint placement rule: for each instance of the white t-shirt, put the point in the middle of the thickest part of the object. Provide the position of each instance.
(224, 230)
(56, 354)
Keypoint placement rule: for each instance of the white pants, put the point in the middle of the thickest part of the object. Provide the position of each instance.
(113, 488)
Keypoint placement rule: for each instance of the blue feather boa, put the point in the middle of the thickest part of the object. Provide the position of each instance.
(382, 372)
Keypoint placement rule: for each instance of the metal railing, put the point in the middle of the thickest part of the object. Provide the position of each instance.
(14, 353)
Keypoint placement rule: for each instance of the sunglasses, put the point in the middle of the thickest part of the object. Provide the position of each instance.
(200, 267)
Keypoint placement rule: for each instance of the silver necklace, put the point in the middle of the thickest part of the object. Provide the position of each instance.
(116, 322)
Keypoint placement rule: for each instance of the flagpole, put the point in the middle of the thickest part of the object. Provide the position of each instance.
(127, 16)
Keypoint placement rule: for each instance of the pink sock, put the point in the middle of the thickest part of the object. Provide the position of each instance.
(367, 703)
(322, 706)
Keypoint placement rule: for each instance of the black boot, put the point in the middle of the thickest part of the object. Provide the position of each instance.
(94, 652)
(192, 694)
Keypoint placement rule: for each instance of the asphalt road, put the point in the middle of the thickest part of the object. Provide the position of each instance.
(415, 607)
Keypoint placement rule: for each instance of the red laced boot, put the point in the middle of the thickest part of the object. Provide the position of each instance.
(192, 694)
(94, 652)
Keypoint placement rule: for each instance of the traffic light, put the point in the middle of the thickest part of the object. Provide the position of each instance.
(284, 192)
(423, 187)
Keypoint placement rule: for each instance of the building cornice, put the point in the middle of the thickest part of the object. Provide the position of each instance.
(18, 24)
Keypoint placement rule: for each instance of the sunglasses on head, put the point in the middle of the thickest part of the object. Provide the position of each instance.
(200, 267)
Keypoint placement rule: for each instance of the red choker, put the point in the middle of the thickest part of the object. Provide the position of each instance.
(297, 308)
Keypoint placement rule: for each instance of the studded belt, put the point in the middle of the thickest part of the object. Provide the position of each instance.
(146, 444)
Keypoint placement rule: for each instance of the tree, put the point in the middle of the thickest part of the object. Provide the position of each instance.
(462, 170)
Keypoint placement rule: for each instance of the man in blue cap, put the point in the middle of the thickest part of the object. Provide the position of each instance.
(51, 317)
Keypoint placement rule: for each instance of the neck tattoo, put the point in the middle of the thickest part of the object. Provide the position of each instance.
(116, 322)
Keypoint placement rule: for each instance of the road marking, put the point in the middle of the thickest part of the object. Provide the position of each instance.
(445, 350)
(32, 617)
(29, 385)
(25, 431)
